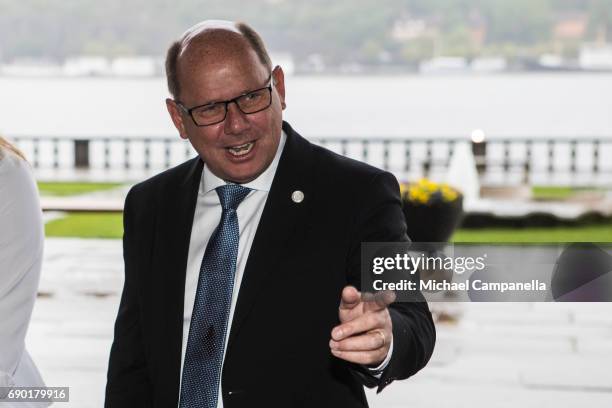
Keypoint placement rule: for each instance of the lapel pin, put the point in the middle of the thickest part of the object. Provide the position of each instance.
(297, 196)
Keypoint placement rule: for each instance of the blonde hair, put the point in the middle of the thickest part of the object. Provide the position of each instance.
(6, 146)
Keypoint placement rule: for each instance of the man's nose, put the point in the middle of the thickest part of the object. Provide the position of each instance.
(235, 121)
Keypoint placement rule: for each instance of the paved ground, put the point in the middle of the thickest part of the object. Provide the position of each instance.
(488, 355)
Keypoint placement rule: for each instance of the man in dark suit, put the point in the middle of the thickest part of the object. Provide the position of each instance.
(242, 265)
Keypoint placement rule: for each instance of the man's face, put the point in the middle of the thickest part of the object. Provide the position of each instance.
(220, 76)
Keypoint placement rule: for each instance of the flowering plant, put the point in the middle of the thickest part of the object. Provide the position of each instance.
(432, 210)
(426, 191)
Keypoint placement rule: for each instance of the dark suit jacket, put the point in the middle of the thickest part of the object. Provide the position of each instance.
(302, 255)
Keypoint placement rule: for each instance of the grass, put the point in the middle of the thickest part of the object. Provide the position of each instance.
(73, 188)
(589, 233)
(70, 188)
(556, 193)
(86, 225)
(109, 225)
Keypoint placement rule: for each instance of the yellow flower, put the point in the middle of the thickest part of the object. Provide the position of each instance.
(448, 193)
(428, 184)
(418, 195)
(425, 191)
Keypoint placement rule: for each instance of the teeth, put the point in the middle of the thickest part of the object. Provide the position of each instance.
(241, 150)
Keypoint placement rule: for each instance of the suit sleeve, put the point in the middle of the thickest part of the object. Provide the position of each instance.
(380, 219)
(128, 384)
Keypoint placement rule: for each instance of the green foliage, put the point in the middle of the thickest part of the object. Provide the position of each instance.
(518, 21)
(601, 14)
(341, 30)
(420, 48)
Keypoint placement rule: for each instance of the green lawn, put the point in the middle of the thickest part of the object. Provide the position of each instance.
(67, 189)
(86, 225)
(590, 233)
(556, 193)
(109, 225)
(72, 188)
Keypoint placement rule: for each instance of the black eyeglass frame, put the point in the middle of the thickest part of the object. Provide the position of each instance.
(189, 111)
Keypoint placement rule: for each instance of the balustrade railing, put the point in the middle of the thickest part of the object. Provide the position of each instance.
(579, 161)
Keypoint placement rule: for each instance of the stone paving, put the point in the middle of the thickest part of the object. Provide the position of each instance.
(487, 354)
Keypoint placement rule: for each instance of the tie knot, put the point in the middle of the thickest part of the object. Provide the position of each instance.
(231, 195)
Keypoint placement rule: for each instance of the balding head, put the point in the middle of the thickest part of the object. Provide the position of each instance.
(223, 67)
(205, 42)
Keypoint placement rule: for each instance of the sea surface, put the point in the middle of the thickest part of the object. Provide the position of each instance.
(512, 105)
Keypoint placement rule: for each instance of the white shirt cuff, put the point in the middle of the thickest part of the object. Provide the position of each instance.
(377, 371)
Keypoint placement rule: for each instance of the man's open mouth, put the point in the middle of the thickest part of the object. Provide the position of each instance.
(241, 150)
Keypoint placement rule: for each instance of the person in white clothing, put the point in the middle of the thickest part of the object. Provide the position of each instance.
(21, 254)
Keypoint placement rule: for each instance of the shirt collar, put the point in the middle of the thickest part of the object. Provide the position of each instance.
(263, 182)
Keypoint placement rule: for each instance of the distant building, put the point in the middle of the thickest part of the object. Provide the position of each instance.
(444, 65)
(134, 66)
(477, 26)
(489, 64)
(408, 29)
(87, 66)
(31, 68)
(314, 63)
(570, 27)
(596, 56)
(285, 60)
(551, 61)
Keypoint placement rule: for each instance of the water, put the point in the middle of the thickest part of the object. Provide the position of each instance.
(534, 105)
(516, 105)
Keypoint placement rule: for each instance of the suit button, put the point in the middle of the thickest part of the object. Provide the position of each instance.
(297, 196)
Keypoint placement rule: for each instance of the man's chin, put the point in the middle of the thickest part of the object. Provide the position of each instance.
(245, 172)
(242, 177)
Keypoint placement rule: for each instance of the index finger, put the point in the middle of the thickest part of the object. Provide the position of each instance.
(350, 297)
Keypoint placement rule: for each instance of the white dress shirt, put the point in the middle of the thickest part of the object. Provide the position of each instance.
(21, 252)
(206, 218)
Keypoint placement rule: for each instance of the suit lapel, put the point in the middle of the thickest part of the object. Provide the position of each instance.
(280, 219)
(171, 250)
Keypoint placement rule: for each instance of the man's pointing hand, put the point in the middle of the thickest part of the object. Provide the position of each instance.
(365, 331)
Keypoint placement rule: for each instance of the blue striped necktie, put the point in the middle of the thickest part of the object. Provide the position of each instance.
(209, 320)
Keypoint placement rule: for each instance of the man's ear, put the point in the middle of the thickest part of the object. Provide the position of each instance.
(279, 84)
(177, 117)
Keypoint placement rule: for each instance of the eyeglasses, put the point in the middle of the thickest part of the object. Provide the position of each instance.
(215, 112)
